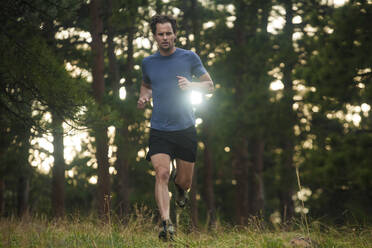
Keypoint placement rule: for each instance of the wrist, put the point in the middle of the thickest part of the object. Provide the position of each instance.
(192, 85)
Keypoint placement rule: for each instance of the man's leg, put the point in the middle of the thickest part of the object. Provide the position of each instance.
(161, 162)
(184, 174)
(183, 181)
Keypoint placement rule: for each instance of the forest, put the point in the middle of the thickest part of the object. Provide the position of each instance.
(286, 133)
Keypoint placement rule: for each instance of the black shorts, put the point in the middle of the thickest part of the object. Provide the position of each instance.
(177, 144)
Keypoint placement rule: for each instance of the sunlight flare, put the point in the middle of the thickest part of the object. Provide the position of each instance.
(276, 85)
(93, 180)
(196, 98)
(198, 121)
(122, 93)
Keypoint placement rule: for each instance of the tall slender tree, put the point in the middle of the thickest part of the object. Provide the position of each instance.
(122, 161)
(287, 171)
(208, 160)
(58, 170)
(245, 27)
(100, 130)
(23, 192)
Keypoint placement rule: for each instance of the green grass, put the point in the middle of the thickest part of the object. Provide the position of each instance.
(142, 232)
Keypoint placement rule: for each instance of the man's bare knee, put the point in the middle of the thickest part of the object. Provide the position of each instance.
(161, 165)
(184, 183)
(162, 175)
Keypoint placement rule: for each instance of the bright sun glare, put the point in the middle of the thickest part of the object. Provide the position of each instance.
(196, 98)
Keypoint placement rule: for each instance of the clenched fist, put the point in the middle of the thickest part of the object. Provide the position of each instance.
(183, 83)
(142, 102)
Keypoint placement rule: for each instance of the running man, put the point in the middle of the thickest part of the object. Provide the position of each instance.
(167, 79)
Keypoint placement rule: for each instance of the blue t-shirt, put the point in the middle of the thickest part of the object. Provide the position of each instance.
(172, 108)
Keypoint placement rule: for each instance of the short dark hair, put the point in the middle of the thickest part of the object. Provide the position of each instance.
(162, 19)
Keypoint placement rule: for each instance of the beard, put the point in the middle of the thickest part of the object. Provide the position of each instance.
(167, 46)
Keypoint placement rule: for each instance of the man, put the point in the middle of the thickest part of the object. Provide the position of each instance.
(167, 76)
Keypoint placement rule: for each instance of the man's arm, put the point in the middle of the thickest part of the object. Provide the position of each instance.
(205, 84)
(145, 95)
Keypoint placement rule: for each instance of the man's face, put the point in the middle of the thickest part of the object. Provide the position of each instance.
(165, 36)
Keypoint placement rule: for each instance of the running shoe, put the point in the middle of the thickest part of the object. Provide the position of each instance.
(182, 197)
(168, 231)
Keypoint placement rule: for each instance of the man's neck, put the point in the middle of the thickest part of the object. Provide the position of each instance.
(167, 52)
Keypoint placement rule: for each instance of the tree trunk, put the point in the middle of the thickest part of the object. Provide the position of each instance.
(23, 190)
(2, 203)
(5, 142)
(287, 183)
(208, 182)
(100, 131)
(193, 200)
(122, 166)
(240, 172)
(58, 170)
(248, 150)
(113, 67)
(23, 196)
(122, 163)
(97, 50)
(104, 184)
(288, 175)
(240, 147)
(256, 185)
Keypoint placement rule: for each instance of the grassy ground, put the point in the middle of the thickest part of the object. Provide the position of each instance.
(143, 233)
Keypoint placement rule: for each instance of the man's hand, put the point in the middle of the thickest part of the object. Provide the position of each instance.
(145, 95)
(142, 102)
(183, 83)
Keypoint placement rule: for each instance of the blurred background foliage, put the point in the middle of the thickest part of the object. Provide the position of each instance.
(292, 92)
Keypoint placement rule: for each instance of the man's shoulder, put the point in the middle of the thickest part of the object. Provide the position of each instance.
(151, 57)
(147, 60)
(182, 51)
(188, 54)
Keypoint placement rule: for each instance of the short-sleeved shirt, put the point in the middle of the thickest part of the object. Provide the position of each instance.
(172, 109)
